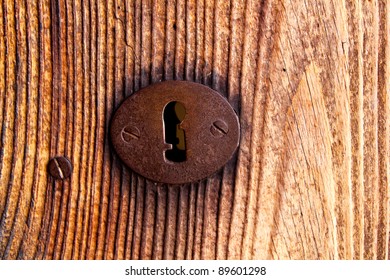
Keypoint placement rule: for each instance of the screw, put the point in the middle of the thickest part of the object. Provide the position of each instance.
(219, 128)
(59, 167)
(130, 133)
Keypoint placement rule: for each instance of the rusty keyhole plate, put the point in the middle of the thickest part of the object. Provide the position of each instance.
(197, 141)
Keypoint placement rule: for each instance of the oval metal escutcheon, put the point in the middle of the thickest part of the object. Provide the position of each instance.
(175, 132)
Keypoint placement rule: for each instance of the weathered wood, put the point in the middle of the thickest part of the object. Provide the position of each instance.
(309, 80)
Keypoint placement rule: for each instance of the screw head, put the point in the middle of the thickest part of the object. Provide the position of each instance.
(59, 167)
(130, 133)
(219, 128)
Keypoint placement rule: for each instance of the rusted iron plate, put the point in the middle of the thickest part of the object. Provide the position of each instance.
(175, 132)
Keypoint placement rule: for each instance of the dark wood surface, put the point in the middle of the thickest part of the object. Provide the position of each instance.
(309, 80)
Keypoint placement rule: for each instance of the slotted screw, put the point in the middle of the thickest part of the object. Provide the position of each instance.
(130, 133)
(59, 167)
(219, 128)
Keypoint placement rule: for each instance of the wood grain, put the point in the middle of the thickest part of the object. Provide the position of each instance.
(308, 79)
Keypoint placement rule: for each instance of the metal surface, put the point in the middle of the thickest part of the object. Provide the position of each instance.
(175, 132)
(59, 168)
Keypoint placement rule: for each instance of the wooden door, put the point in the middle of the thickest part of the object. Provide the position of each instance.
(309, 80)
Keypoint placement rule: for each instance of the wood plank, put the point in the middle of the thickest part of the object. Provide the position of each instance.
(311, 85)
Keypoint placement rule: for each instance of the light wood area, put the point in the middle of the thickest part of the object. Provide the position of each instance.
(308, 79)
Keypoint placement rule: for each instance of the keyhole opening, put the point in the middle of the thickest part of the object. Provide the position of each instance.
(174, 114)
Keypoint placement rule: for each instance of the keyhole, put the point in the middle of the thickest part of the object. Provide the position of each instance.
(174, 114)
